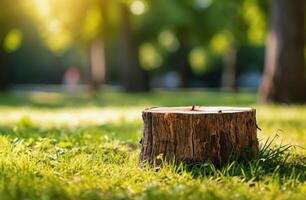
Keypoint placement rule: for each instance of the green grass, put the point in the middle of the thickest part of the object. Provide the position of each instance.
(78, 146)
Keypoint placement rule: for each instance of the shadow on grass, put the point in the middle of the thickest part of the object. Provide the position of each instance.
(277, 163)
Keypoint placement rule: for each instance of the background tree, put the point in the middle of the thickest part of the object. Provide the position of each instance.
(169, 37)
(245, 24)
(133, 78)
(197, 36)
(86, 24)
(10, 37)
(284, 76)
(128, 37)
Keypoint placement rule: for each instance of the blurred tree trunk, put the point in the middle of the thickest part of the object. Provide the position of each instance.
(229, 69)
(133, 78)
(284, 76)
(182, 59)
(98, 51)
(97, 62)
(4, 79)
(184, 66)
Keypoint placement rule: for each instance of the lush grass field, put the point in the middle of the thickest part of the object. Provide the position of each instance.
(77, 146)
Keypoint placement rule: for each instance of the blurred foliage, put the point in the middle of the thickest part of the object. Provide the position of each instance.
(203, 29)
(62, 23)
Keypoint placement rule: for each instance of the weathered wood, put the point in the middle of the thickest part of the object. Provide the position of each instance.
(197, 134)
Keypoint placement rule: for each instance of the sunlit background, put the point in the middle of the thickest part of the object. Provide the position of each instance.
(133, 44)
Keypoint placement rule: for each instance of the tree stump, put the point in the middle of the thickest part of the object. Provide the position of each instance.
(197, 134)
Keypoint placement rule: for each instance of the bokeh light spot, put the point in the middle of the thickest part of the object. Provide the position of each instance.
(221, 42)
(203, 4)
(138, 7)
(168, 40)
(12, 40)
(257, 26)
(92, 23)
(149, 57)
(57, 38)
(198, 60)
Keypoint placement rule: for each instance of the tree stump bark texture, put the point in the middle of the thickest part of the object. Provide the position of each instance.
(197, 134)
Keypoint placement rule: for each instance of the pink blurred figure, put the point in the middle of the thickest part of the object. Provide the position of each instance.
(71, 78)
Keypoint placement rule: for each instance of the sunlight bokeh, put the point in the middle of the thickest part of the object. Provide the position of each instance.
(257, 23)
(168, 40)
(221, 42)
(138, 7)
(57, 20)
(198, 60)
(13, 40)
(202, 4)
(149, 56)
(92, 25)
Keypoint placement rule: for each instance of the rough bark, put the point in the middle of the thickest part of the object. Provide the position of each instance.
(195, 136)
(284, 76)
(132, 76)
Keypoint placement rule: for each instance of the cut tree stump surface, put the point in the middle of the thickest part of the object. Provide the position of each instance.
(197, 134)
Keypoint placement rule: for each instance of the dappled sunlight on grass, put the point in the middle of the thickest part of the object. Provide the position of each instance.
(46, 98)
(71, 117)
(57, 109)
(289, 122)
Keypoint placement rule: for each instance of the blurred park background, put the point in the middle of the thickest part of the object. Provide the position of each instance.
(140, 45)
